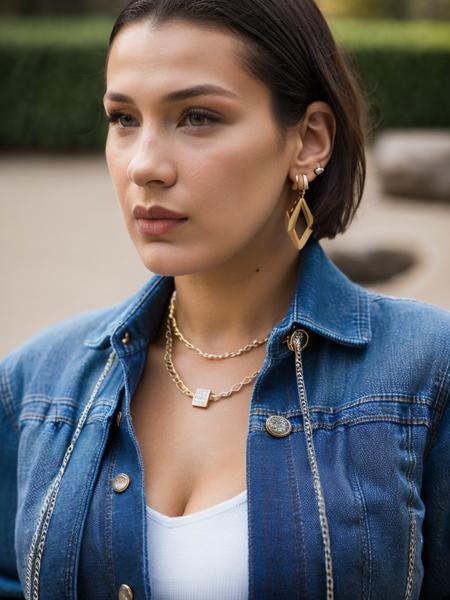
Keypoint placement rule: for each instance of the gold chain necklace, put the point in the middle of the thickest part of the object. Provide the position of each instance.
(208, 355)
(202, 396)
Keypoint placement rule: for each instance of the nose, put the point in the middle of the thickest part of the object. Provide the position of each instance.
(151, 164)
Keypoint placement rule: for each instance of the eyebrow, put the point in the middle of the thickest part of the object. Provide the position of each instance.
(192, 92)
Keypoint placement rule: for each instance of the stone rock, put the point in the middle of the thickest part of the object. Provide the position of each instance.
(373, 265)
(414, 163)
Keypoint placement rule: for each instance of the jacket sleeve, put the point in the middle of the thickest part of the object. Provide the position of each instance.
(10, 586)
(436, 495)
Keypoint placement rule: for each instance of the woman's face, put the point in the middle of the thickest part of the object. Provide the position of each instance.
(193, 133)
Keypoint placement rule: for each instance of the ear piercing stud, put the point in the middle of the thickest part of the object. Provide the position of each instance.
(319, 170)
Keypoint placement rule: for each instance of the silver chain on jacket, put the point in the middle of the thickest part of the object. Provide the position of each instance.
(297, 341)
(37, 543)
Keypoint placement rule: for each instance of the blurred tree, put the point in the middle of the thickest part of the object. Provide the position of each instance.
(431, 9)
(58, 7)
(35, 7)
(400, 9)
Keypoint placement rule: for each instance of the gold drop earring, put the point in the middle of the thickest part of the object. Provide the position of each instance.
(292, 215)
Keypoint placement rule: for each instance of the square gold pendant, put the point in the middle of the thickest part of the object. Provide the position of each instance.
(201, 398)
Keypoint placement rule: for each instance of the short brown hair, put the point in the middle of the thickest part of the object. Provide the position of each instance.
(291, 50)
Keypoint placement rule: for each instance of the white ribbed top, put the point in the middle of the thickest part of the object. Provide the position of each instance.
(201, 556)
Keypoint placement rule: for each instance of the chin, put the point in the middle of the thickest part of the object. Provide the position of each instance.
(174, 262)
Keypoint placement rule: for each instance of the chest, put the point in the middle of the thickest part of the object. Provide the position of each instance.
(193, 457)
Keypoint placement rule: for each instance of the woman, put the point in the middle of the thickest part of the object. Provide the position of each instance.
(270, 430)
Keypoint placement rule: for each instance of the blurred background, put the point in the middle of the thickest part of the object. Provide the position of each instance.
(63, 248)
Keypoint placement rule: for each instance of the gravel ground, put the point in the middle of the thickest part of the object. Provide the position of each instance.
(64, 249)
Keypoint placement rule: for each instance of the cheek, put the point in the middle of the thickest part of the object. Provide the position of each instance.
(243, 176)
(114, 160)
(117, 165)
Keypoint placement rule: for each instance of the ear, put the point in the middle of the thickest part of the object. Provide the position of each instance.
(314, 136)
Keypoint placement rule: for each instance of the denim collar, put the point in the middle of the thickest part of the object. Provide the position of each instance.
(326, 302)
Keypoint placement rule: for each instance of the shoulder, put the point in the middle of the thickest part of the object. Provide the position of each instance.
(60, 339)
(60, 358)
(408, 319)
(50, 356)
(411, 341)
(81, 331)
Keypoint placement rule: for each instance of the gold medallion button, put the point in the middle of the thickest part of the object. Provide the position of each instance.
(125, 592)
(278, 426)
(126, 338)
(121, 482)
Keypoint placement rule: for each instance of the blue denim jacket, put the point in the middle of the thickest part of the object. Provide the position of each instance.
(348, 450)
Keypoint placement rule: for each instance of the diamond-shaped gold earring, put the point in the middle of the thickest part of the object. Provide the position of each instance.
(293, 214)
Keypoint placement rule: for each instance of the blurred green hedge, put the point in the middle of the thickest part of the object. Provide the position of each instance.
(404, 67)
(51, 77)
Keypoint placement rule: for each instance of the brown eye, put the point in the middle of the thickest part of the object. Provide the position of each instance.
(124, 120)
(198, 119)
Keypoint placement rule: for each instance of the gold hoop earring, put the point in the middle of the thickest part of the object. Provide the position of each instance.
(293, 214)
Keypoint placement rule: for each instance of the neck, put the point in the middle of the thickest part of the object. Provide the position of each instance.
(234, 305)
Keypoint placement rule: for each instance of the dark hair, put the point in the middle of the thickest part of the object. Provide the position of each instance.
(289, 48)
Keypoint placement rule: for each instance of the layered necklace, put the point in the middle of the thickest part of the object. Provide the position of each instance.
(202, 396)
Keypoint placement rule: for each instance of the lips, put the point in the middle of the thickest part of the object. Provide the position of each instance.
(155, 213)
(156, 220)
